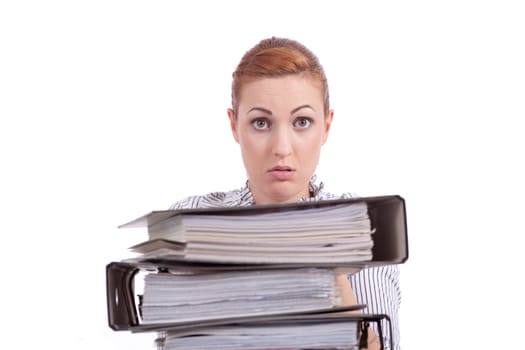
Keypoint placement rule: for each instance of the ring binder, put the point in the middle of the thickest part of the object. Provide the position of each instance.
(388, 218)
(123, 313)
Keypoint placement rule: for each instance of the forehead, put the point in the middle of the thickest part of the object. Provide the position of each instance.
(291, 90)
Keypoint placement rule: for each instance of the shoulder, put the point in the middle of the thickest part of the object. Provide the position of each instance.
(212, 199)
(237, 197)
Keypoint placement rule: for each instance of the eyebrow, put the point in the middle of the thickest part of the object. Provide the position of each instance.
(267, 111)
(260, 109)
(301, 107)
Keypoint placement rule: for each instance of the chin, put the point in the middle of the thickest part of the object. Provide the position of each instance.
(284, 193)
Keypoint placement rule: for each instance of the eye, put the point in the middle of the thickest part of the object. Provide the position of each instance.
(302, 122)
(260, 123)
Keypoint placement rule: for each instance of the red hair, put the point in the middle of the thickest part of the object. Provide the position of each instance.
(276, 57)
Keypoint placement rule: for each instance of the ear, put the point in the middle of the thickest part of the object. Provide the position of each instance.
(233, 124)
(327, 124)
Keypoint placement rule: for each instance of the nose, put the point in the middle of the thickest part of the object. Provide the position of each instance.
(282, 142)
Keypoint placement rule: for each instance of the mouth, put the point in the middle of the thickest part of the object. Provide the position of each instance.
(282, 173)
(281, 168)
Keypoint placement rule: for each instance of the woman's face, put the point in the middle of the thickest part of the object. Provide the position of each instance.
(280, 126)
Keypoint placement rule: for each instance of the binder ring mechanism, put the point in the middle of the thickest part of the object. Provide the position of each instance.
(122, 314)
(364, 323)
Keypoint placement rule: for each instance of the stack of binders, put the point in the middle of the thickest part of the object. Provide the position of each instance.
(259, 277)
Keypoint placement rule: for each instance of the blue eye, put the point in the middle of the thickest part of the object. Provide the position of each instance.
(302, 123)
(260, 123)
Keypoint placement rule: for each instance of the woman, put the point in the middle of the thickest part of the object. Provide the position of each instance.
(280, 117)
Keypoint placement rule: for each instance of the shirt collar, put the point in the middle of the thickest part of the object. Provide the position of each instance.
(243, 197)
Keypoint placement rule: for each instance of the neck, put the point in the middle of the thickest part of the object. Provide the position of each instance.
(264, 198)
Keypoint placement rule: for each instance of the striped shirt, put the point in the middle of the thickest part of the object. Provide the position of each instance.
(376, 287)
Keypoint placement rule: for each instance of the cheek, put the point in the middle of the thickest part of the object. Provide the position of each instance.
(308, 149)
(251, 147)
(310, 142)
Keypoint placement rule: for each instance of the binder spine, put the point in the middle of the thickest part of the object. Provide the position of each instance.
(122, 312)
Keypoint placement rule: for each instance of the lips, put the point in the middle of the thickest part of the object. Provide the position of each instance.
(281, 168)
(281, 172)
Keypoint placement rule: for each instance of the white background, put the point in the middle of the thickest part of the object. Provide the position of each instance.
(110, 109)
